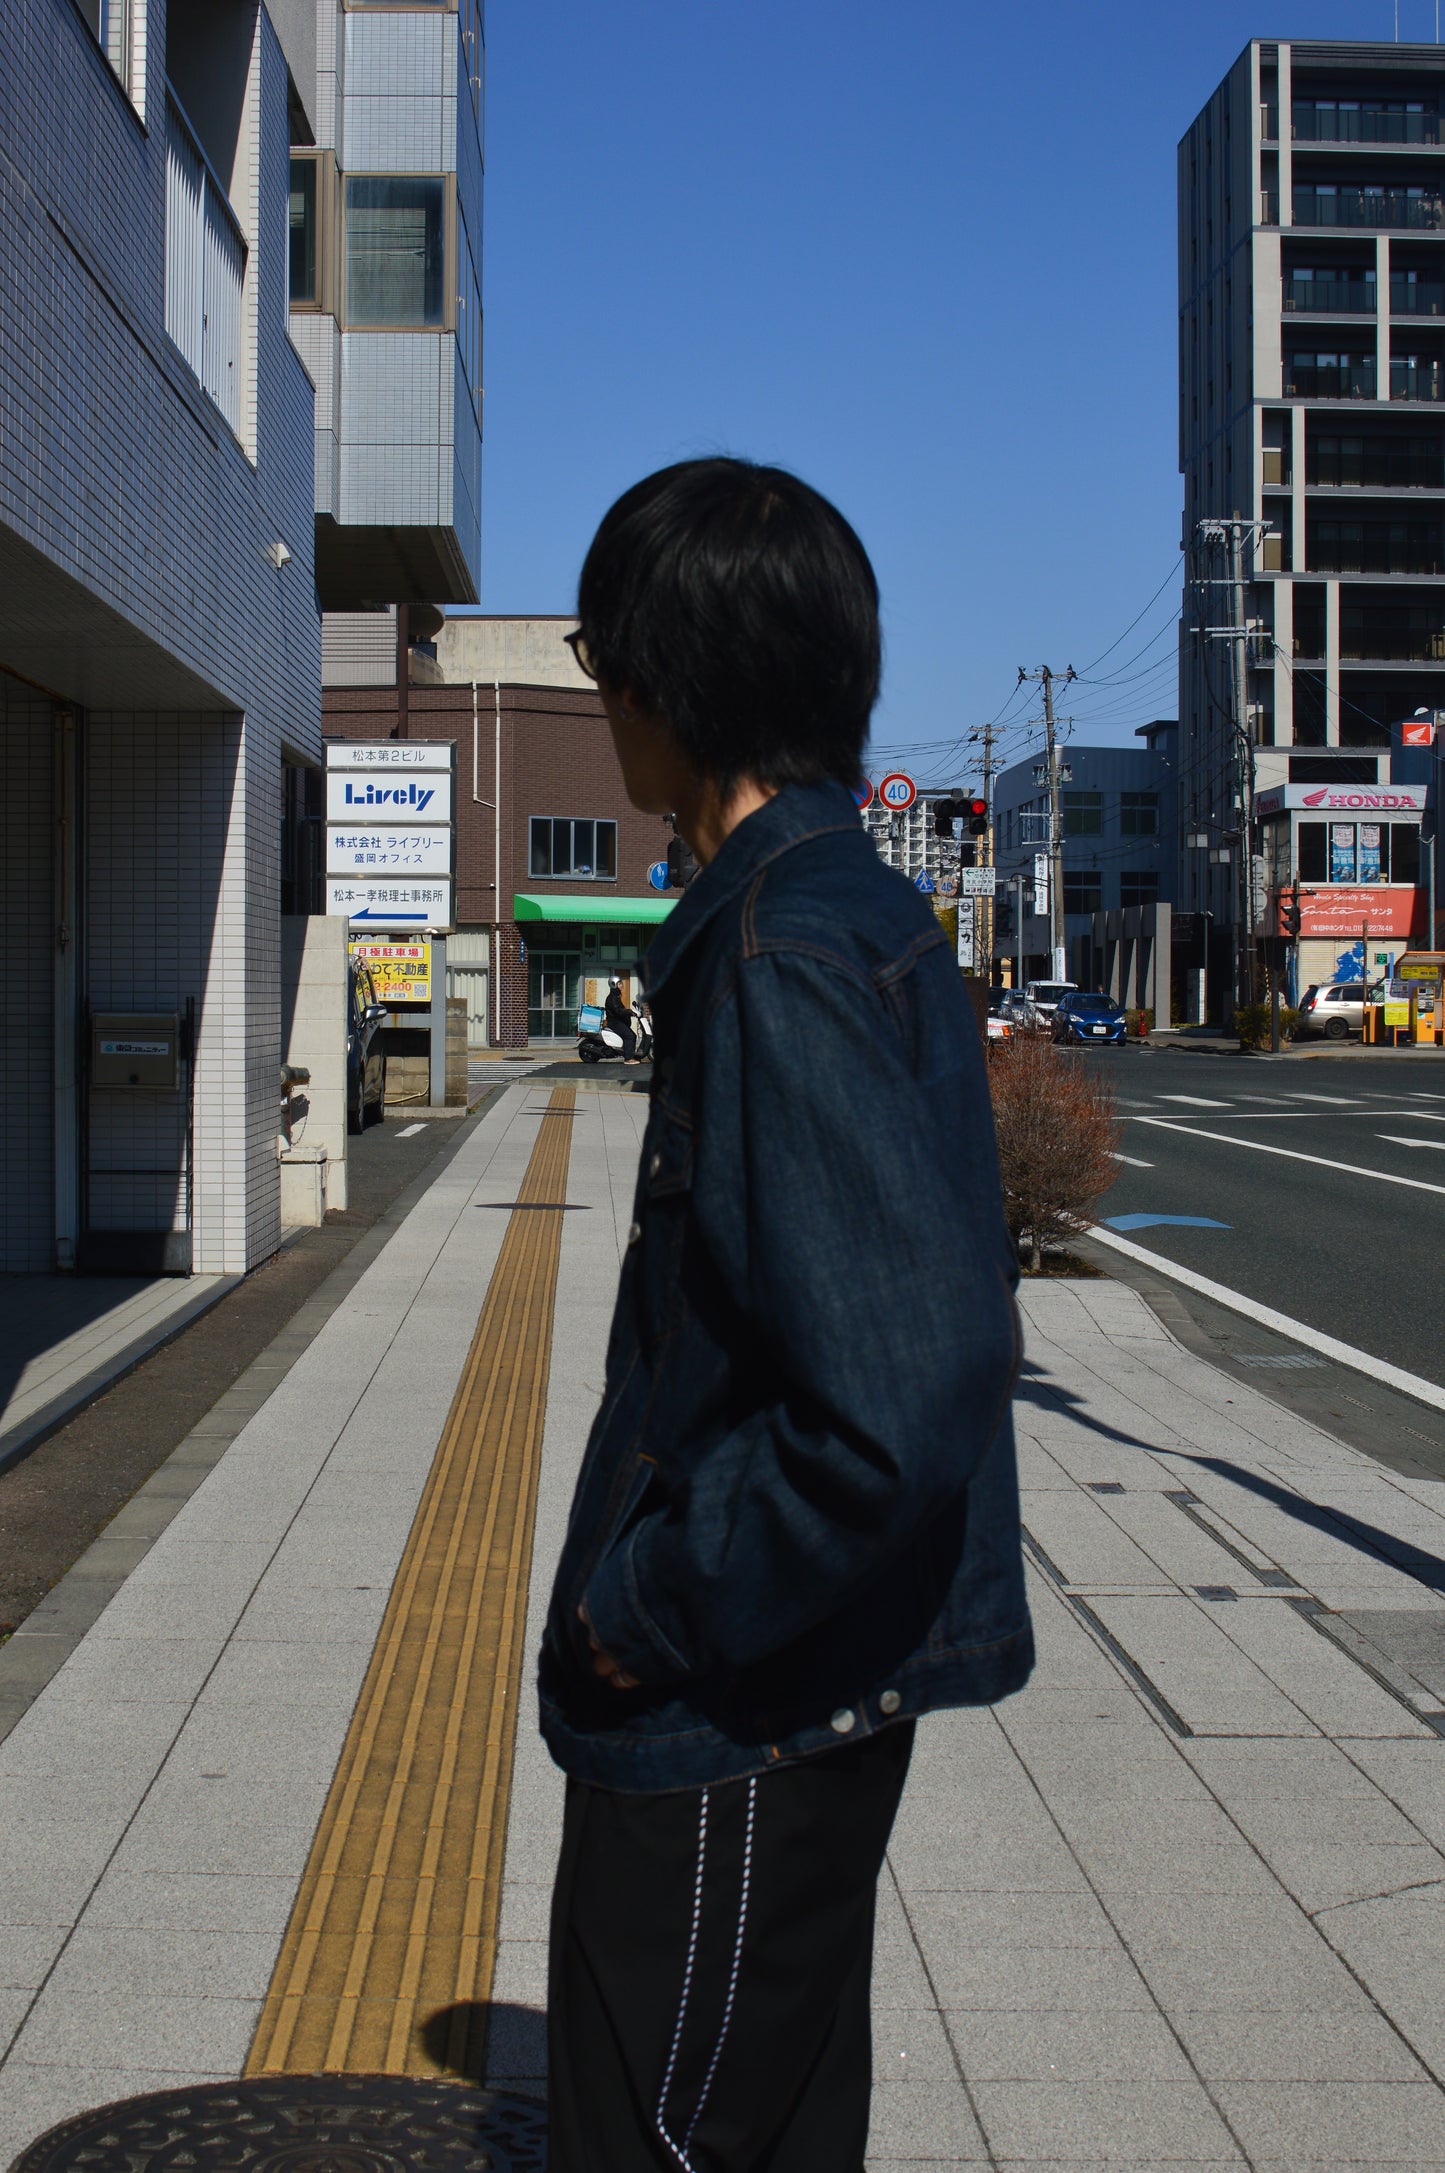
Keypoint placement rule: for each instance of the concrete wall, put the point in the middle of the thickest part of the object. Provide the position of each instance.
(314, 983)
(518, 652)
(27, 1233)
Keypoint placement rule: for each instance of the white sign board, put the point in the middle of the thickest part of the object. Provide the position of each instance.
(1041, 885)
(977, 882)
(377, 849)
(389, 754)
(389, 905)
(1343, 799)
(965, 932)
(389, 796)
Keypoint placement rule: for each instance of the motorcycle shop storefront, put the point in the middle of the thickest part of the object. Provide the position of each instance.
(570, 947)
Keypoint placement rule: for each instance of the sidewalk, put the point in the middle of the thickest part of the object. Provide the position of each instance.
(1182, 1902)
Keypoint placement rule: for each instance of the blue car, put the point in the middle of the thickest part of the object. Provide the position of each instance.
(1086, 1015)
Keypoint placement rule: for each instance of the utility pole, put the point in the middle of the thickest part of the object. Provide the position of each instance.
(1232, 535)
(1056, 827)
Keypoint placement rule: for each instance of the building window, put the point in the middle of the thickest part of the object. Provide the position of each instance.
(1138, 886)
(1083, 890)
(205, 270)
(111, 22)
(303, 230)
(575, 847)
(395, 249)
(1139, 814)
(1083, 815)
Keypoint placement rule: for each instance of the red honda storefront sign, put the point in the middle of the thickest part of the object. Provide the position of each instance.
(1389, 909)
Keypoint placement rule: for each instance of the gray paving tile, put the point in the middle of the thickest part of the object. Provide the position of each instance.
(146, 2030)
(1096, 1979)
(1213, 1951)
(1376, 2124)
(124, 1964)
(910, 2044)
(1120, 2122)
(1053, 2046)
(924, 2120)
(1011, 1920)
(164, 1901)
(1272, 2045)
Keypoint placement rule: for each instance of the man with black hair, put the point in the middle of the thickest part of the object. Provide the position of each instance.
(619, 1017)
(796, 1526)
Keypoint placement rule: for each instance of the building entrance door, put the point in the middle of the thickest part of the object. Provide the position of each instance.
(553, 994)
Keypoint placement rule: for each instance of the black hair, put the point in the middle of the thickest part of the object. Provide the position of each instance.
(736, 603)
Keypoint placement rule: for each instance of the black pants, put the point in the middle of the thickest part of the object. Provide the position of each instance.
(711, 1966)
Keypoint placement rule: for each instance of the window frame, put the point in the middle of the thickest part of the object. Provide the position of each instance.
(1072, 810)
(1133, 804)
(1075, 878)
(569, 875)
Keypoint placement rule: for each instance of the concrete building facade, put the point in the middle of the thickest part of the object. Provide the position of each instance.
(159, 644)
(1120, 846)
(1312, 407)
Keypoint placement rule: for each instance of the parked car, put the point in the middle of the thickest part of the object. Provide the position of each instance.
(1042, 998)
(1088, 1015)
(1334, 1009)
(1001, 1022)
(365, 1061)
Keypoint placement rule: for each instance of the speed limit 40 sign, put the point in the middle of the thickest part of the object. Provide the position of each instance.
(898, 791)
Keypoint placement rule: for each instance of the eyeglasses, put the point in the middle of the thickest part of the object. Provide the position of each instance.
(583, 654)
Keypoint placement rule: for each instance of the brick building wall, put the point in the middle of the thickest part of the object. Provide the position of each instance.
(556, 760)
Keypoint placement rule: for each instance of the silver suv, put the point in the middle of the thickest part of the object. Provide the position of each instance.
(1334, 1010)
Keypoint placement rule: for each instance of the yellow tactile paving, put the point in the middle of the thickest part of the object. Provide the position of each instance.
(387, 1961)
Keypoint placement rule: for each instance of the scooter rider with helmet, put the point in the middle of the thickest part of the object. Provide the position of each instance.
(618, 1016)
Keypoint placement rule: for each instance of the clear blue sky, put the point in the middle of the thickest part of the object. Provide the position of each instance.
(922, 253)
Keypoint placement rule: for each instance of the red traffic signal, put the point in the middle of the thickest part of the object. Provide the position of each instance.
(977, 817)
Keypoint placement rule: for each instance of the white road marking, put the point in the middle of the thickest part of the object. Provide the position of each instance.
(1291, 1154)
(1199, 1101)
(1341, 1101)
(1397, 1139)
(1344, 1353)
(408, 1129)
(1134, 1162)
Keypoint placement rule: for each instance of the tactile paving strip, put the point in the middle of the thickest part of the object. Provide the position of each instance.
(387, 1962)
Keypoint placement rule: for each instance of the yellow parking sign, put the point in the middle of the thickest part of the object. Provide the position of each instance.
(400, 972)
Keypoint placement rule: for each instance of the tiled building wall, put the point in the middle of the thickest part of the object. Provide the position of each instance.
(27, 1242)
(120, 481)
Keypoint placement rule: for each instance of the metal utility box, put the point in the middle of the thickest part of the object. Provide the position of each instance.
(136, 1049)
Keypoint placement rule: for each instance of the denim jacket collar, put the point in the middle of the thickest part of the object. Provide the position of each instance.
(794, 813)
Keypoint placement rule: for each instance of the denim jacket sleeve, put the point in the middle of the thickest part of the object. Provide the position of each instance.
(851, 1210)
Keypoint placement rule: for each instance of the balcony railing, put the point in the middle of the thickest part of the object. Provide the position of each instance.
(1375, 547)
(1417, 380)
(1342, 377)
(1331, 296)
(1404, 637)
(1345, 121)
(1416, 297)
(1269, 123)
(1269, 207)
(205, 269)
(1372, 463)
(1373, 207)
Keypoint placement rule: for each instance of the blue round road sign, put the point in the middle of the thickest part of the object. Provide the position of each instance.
(657, 875)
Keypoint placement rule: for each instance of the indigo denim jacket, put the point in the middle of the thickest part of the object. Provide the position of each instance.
(797, 1518)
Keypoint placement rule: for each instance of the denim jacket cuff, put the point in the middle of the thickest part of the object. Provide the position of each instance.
(621, 1624)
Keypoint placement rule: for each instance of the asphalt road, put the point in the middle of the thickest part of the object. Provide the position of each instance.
(1317, 1188)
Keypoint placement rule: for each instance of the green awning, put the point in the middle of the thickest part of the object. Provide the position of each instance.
(596, 911)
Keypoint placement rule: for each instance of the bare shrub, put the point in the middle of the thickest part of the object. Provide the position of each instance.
(1056, 1139)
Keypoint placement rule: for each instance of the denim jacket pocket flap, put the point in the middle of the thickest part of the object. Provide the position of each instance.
(668, 1158)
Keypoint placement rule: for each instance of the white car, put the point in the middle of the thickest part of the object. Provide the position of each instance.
(1042, 999)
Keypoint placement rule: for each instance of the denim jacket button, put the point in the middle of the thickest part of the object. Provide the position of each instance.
(634, 1233)
(843, 1722)
(654, 1165)
(889, 1701)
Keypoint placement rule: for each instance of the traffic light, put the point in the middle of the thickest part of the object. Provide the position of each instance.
(944, 812)
(977, 812)
(1003, 916)
(1291, 915)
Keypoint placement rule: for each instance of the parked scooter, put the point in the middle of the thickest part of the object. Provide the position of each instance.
(597, 1040)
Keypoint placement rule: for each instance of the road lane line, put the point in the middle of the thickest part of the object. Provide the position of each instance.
(1397, 1139)
(1345, 1354)
(1133, 1161)
(1340, 1101)
(409, 1131)
(1291, 1154)
(1198, 1101)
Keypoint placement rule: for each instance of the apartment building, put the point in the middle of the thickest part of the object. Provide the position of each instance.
(159, 643)
(1312, 408)
(907, 841)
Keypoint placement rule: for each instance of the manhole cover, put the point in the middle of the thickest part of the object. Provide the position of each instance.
(302, 2124)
